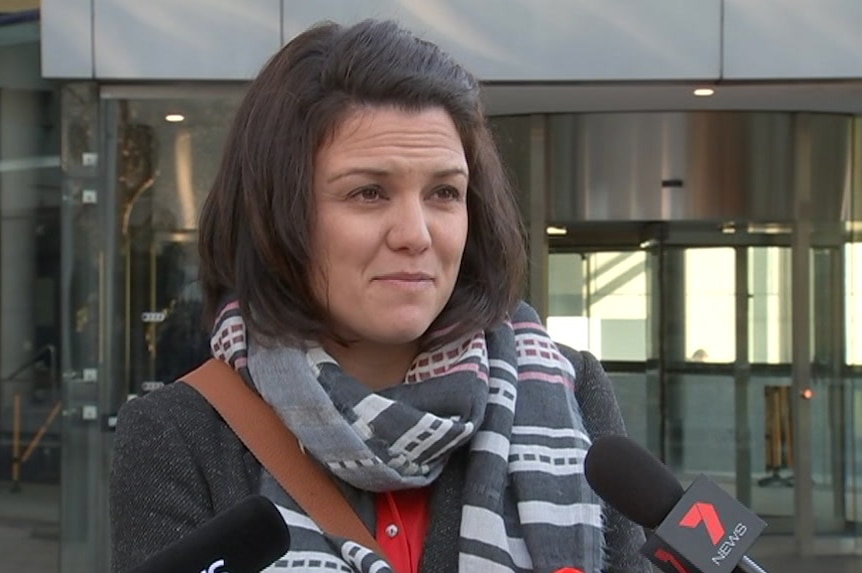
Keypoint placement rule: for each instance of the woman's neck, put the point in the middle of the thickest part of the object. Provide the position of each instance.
(378, 366)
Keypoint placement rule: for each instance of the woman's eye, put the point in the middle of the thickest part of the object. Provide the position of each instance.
(368, 194)
(448, 193)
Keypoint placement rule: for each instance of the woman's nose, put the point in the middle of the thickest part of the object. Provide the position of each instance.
(409, 225)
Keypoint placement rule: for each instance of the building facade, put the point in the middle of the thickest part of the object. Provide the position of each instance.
(705, 247)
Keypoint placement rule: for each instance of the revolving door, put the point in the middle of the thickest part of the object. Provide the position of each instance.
(695, 329)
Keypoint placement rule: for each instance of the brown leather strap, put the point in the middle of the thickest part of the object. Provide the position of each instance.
(275, 446)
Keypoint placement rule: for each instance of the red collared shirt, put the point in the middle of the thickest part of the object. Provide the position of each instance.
(402, 522)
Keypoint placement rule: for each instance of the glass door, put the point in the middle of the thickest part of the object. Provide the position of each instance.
(135, 174)
(698, 351)
(828, 393)
(770, 396)
(30, 396)
(598, 302)
(853, 378)
(168, 155)
(698, 339)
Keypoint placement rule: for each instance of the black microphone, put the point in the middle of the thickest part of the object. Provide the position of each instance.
(639, 486)
(246, 538)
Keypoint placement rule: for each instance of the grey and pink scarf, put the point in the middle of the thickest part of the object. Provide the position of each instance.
(506, 394)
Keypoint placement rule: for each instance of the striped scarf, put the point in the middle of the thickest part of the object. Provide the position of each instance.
(507, 394)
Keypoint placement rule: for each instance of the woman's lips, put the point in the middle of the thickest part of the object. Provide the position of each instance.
(411, 281)
(406, 277)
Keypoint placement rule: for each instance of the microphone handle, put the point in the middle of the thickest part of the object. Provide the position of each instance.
(747, 565)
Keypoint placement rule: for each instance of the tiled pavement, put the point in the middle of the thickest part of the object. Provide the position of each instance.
(26, 550)
(29, 532)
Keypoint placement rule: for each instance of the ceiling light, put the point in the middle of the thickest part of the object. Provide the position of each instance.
(769, 228)
(175, 117)
(704, 92)
(556, 230)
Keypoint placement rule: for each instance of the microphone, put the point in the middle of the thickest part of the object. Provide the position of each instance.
(246, 538)
(639, 486)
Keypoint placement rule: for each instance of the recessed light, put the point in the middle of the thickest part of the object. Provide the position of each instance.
(556, 230)
(704, 92)
(175, 117)
(728, 228)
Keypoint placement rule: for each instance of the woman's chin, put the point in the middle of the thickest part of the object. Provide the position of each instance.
(399, 331)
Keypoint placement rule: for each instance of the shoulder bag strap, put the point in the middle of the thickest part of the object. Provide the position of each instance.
(275, 446)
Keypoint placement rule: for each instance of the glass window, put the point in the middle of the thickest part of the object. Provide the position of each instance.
(853, 294)
(168, 158)
(770, 305)
(710, 311)
(598, 302)
(30, 199)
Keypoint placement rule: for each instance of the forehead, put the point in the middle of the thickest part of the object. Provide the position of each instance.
(371, 131)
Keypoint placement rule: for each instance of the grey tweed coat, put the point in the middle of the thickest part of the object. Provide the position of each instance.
(176, 464)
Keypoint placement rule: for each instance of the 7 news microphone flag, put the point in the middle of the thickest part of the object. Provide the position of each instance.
(707, 531)
(699, 530)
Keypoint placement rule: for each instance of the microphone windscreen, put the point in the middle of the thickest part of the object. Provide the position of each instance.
(248, 537)
(631, 480)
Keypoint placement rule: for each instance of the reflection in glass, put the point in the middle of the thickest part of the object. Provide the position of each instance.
(853, 297)
(701, 328)
(166, 169)
(853, 405)
(709, 305)
(598, 302)
(30, 200)
(770, 305)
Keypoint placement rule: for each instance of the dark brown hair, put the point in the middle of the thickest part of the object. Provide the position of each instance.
(256, 223)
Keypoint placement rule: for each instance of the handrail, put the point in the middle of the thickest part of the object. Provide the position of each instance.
(34, 359)
(17, 459)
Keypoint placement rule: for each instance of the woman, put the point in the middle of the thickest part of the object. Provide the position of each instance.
(361, 261)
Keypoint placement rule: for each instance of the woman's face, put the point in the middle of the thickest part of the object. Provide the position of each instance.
(391, 198)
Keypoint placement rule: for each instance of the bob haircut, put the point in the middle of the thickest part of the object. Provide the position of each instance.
(256, 223)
